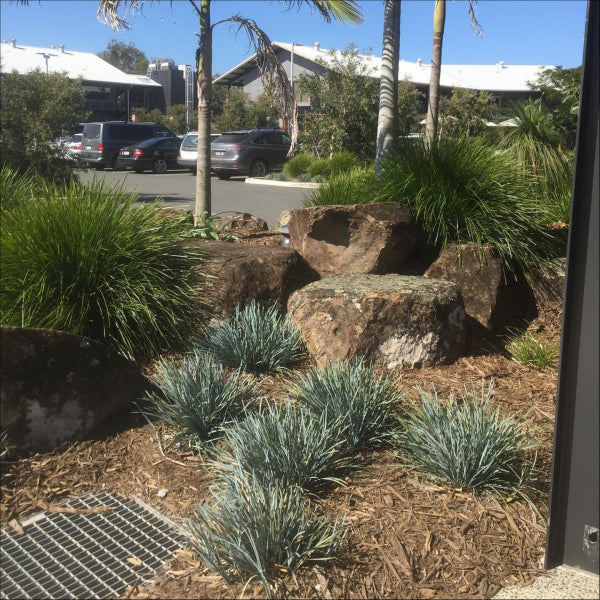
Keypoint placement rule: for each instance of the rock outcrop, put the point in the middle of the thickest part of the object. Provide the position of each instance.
(360, 238)
(57, 387)
(391, 320)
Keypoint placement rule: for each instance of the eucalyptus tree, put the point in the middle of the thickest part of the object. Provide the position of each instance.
(387, 121)
(269, 67)
(439, 21)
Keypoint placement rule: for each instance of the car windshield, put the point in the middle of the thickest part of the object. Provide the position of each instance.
(190, 142)
(91, 130)
(231, 138)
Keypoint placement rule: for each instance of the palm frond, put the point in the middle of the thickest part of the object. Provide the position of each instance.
(344, 11)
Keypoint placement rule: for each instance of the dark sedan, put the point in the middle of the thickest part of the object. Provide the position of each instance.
(156, 154)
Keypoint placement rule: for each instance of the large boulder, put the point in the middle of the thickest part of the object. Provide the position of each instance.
(391, 320)
(360, 238)
(492, 297)
(239, 273)
(57, 387)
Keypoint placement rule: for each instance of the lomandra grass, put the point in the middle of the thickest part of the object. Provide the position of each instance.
(352, 394)
(85, 261)
(355, 186)
(284, 444)
(250, 530)
(467, 444)
(461, 190)
(198, 397)
(528, 351)
(255, 338)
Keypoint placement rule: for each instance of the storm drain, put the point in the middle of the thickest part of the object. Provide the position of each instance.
(102, 545)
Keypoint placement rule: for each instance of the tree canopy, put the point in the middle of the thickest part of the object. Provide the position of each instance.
(126, 57)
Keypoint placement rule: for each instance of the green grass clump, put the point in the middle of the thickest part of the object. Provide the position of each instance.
(467, 445)
(286, 445)
(528, 351)
(320, 166)
(253, 531)
(461, 190)
(85, 261)
(16, 187)
(197, 398)
(342, 162)
(353, 394)
(353, 187)
(298, 164)
(255, 339)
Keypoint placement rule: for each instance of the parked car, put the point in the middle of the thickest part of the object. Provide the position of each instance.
(73, 145)
(253, 152)
(156, 154)
(102, 141)
(188, 153)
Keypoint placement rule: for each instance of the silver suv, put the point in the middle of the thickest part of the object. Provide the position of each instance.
(253, 152)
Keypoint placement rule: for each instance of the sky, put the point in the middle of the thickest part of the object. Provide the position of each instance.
(536, 32)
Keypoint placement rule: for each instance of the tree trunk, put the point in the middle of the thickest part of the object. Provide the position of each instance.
(387, 121)
(439, 20)
(202, 207)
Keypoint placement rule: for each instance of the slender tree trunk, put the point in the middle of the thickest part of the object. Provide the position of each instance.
(387, 121)
(202, 207)
(439, 20)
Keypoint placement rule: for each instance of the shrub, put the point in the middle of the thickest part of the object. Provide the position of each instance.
(467, 445)
(342, 162)
(528, 351)
(463, 191)
(16, 187)
(84, 261)
(197, 397)
(355, 187)
(354, 394)
(320, 166)
(254, 531)
(298, 164)
(255, 339)
(285, 445)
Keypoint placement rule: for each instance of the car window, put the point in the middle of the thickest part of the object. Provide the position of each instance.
(92, 130)
(190, 142)
(231, 138)
(129, 132)
(267, 138)
(161, 131)
(169, 145)
(285, 139)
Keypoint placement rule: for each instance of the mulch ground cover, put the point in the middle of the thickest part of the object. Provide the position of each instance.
(408, 537)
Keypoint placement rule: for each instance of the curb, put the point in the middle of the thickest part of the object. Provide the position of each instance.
(299, 184)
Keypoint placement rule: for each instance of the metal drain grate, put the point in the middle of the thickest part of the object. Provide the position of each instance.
(85, 555)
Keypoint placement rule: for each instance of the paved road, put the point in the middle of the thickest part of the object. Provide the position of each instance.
(178, 189)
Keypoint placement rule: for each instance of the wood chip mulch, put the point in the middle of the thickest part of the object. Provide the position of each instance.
(408, 537)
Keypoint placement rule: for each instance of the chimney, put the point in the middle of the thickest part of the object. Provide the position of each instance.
(317, 46)
(419, 61)
(13, 42)
(62, 47)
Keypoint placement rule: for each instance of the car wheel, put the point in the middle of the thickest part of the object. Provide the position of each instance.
(259, 168)
(160, 165)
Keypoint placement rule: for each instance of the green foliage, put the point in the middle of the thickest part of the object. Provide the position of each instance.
(320, 166)
(255, 339)
(143, 115)
(233, 109)
(254, 531)
(197, 397)
(341, 162)
(351, 393)
(286, 445)
(528, 351)
(83, 260)
(126, 57)
(179, 120)
(465, 112)
(17, 187)
(298, 164)
(344, 105)
(534, 143)
(466, 444)
(461, 190)
(354, 187)
(560, 91)
(410, 107)
(211, 230)
(35, 109)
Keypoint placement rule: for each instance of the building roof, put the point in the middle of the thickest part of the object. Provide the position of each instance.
(88, 66)
(498, 77)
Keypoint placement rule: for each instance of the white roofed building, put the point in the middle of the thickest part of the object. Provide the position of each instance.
(506, 83)
(108, 89)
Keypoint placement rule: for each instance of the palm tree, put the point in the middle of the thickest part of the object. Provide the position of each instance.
(387, 121)
(439, 20)
(269, 67)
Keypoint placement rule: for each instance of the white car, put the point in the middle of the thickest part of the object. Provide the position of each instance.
(72, 145)
(188, 151)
